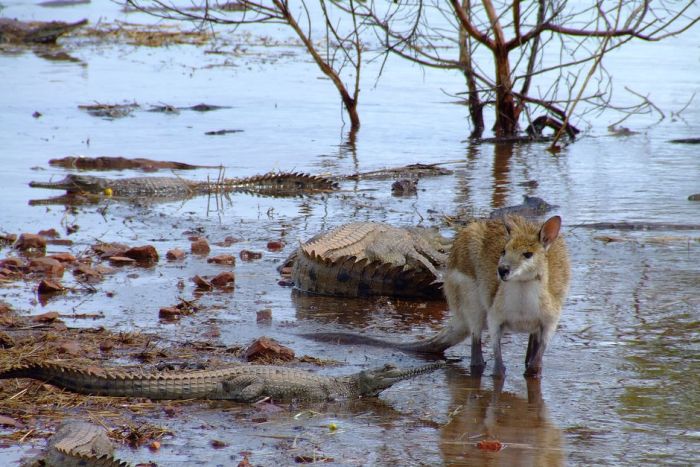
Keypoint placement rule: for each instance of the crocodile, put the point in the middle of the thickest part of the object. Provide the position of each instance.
(243, 383)
(370, 258)
(35, 32)
(78, 444)
(410, 171)
(270, 184)
(532, 206)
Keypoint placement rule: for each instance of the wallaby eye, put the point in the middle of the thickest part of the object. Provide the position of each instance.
(503, 253)
(527, 254)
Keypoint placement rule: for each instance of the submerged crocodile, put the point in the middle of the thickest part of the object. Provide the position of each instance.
(410, 171)
(270, 184)
(78, 444)
(532, 206)
(36, 32)
(371, 258)
(244, 383)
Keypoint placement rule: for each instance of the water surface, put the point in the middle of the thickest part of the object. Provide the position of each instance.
(621, 376)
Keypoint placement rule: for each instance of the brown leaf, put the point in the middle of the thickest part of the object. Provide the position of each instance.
(63, 257)
(169, 313)
(275, 246)
(228, 241)
(47, 287)
(265, 348)
(264, 316)
(46, 266)
(175, 254)
(49, 233)
(70, 348)
(223, 279)
(247, 255)
(47, 317)
(146, 253)
(229, 260)
(28, 241)
(7, 421)
(218, 444)
(492, 445)
(121, 260)
(202, 283)
(105, 250)
(200, 247)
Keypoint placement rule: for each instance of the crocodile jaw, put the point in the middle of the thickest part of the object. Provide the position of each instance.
(71, 184)
(372, 382)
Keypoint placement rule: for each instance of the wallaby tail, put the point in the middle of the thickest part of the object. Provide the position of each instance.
(437, 344)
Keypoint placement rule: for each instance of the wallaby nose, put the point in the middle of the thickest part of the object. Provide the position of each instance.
(503, 272)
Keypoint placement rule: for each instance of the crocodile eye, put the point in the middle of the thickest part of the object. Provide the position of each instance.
(527, 254)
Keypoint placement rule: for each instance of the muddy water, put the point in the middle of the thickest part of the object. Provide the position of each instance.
(621, 377)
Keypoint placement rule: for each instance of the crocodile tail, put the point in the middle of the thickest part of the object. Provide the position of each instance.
(282, 184)
(19, 371)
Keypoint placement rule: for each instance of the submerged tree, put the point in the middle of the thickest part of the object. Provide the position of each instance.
(530, 62)
(338, 55)
(504, 47)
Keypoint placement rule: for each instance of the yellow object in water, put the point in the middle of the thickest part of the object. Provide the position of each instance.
(108, 192)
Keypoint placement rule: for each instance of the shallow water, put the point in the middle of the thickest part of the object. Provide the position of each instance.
(621, 376)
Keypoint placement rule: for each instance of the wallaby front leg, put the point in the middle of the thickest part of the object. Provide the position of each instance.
(477, 360)
(532, 345)
(534, 363)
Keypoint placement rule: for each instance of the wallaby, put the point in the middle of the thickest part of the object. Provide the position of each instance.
(507, 275)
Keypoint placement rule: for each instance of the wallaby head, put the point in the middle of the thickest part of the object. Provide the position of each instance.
(524, 256)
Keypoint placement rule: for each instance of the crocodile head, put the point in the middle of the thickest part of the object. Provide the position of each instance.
(538, 204)
(372, 382)
(74, 184)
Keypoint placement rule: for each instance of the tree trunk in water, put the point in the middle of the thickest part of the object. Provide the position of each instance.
(476, 108)
(349, 102)
(506, 119)
(351, 108)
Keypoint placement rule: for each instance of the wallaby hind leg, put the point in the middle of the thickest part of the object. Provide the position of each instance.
(499, 369)
(477, 364)
(468, 315)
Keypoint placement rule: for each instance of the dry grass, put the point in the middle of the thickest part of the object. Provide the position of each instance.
(144, 35)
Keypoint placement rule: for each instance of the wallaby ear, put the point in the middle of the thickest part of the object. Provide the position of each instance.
(550, 231)
(508, 224)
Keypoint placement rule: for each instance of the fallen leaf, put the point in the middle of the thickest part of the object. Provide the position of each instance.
(247, 255)
(200, 247)
(7, 421)
(492, 445)
(202, 283)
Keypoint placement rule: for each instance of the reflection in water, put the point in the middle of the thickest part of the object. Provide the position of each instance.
(349, 147)
(501, 174)
(522, 425)
(396, 314)
(463, 193)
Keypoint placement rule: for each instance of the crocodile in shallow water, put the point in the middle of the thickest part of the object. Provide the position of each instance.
(34, 32)
(166, 188)
(371, 258)
(244, 383)
(78, 444)
(532, 206)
